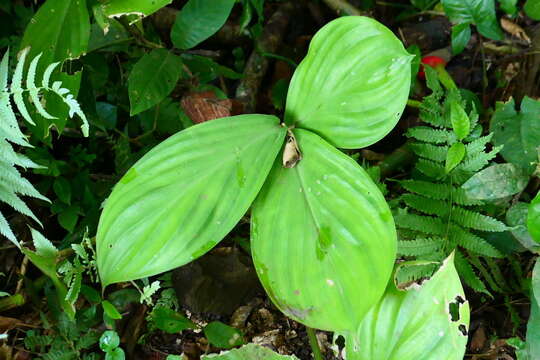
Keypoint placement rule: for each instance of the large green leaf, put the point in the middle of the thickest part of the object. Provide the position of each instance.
(60, 30)
(198, 20)
(533, 219)
(495, 182)
(518, 132)
(185, 195)
(353, 84)
(116, 8)
(249, 352)
(479, 12)
(323, 237)
(153, 77)
(426, 322)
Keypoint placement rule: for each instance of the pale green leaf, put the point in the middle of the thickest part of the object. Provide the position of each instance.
(427, 321)
(460, 121)
(518, 132)
(495, 182)
(198, 20)
(353, 85)
(153, 77)
(181, 199)
(110, 310)
(170, 321)
(533, 218)
(249, 352)
(455, 154)
(324, 214)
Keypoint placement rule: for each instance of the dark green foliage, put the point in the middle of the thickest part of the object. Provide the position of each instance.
(437, 216)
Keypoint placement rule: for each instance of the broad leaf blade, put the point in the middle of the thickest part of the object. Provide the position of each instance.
(184, 196)
(518, 132)
(419, 323)
(198, 20)
(455, 154)
(249, 352)
(323, 237)
(533, 219)
(460, 121)
(153, 77)
(353, 84)
(495, 182)
(479, 12)
(60, 30)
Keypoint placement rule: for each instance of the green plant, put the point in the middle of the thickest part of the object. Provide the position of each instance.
(12, 184)
(109, 342)
(439, 216)
(317, 209)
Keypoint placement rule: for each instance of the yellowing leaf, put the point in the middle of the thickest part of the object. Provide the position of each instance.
(323, 237)
(353, 84)
(185, 195)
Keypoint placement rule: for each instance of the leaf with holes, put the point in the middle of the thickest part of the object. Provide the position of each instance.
(180, 199)
(322, 234)
(353, 84)
(426, 321)
(153, 77)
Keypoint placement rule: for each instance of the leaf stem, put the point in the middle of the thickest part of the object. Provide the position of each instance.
(317, 355)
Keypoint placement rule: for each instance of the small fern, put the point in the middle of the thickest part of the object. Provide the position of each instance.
(438, 217)
(12, 184)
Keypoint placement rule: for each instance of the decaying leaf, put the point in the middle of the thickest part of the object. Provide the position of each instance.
(514, 29)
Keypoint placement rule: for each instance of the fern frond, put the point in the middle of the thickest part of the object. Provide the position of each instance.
(408, 274)
(429, 151)
(431, 168)
(424, 224)
(478, 161)
(16, 87)
(473, 242)
(426, 205)
(420, 246)
(430, 135)
(427, 189)
(478, 145)
(467, 273)
(459, 196)
(474, 220)
(33, 90)
(47, 74)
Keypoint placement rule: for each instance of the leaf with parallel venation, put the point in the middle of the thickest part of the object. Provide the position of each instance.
(181, 198)
(249, 352)
(424, 322)
(323, 238)
(353, 84)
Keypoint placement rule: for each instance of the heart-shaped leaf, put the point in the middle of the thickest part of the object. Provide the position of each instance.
(353, 84)
(427, 321)
(185, 195)
(323, 237)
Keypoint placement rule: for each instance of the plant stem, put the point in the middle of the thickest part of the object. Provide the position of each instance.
(342, 7)
(414, 103)
(11, 302)
(445, 78)
(317, 355)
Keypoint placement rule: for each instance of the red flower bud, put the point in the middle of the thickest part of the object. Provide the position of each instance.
(432, 61)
